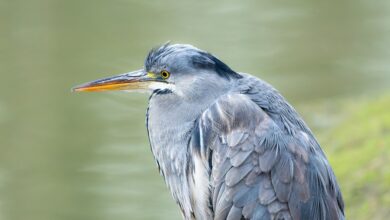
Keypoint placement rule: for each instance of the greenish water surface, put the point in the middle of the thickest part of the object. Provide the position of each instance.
(86, 156)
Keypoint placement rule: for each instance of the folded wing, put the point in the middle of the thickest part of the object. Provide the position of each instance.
(260, 171)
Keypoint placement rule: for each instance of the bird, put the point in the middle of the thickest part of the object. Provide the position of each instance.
(228, 144)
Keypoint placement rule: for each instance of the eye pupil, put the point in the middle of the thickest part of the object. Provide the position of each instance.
(165, 74)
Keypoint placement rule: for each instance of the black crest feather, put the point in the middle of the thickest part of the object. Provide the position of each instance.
(198, 58)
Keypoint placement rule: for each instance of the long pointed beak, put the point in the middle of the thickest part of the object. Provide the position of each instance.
(128, 81)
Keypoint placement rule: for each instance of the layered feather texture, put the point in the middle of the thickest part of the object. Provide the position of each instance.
(258, 170)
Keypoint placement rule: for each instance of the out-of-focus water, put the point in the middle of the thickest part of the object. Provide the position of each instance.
(86, 156)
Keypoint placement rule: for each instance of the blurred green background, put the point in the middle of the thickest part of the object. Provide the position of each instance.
(86, 156)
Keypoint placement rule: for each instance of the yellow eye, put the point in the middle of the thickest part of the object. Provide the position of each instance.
(165, 74)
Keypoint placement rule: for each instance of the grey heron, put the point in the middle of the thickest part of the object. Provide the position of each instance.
(228, 145)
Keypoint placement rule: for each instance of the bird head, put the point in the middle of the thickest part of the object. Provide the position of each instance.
(175, 68)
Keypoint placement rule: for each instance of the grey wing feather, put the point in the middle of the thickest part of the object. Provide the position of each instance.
(260, 171)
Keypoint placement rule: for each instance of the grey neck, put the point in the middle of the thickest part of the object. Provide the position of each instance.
(170, 121)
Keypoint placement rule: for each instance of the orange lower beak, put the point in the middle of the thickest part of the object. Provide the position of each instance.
(128, 81)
